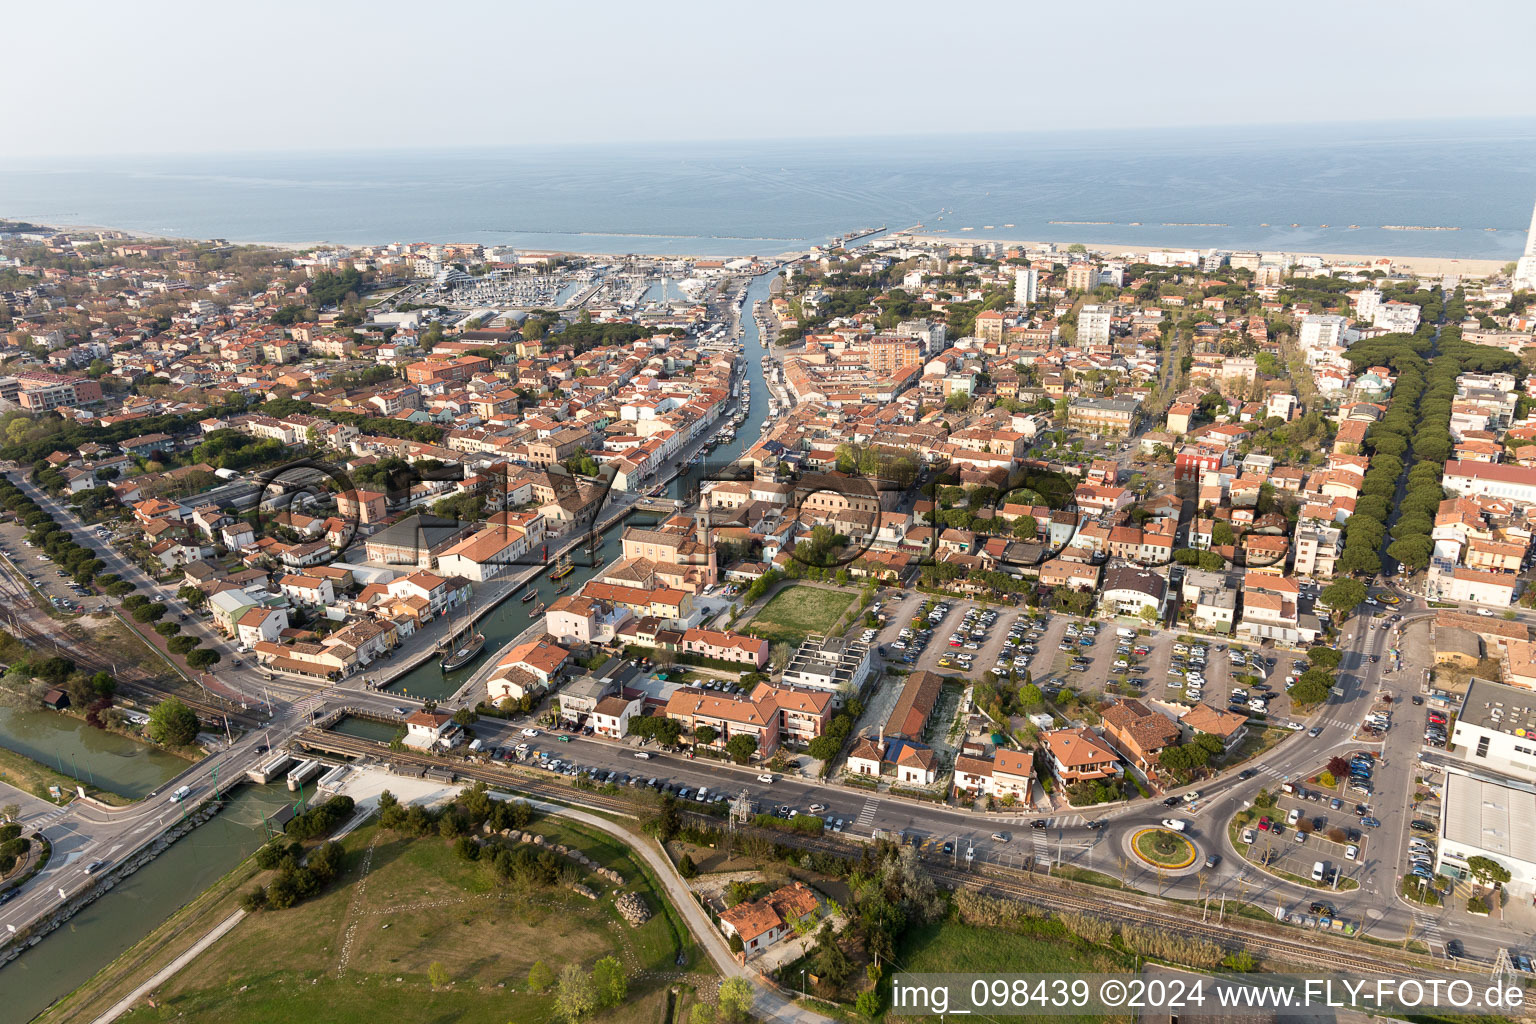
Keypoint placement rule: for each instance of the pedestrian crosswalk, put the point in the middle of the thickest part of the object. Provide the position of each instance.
(1059, 821)
(866, 816)
(1342, 723)
(1271, 770)
(1427, 928)
(43, 822)
(307, 705)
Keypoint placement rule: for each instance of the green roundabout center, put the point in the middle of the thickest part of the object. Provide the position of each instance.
(1163, 848)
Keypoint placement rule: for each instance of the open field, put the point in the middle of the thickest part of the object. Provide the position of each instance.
(797, 610)
(362, 949)
(1042, 947)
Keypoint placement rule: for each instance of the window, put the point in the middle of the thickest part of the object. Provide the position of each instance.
(1482, 746)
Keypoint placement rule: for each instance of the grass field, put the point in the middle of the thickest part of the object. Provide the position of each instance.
(950, 947)
(797, 610)
(361, 951)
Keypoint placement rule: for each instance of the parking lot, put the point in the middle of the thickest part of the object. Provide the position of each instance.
(41, 571)
(1090, 656)
(1309, 827)
(928, 654)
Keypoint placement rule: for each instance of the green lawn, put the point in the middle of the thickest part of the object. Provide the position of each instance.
(951, 947)
(799, 609)
(362, 952)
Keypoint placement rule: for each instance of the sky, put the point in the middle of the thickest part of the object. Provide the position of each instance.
(194, 77)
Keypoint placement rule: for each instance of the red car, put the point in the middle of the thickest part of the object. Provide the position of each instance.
(1436, 718)
(1263, 824)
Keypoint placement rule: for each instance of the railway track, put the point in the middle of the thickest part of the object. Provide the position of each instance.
(1128, 907)
(1271, 943)
(91, 660)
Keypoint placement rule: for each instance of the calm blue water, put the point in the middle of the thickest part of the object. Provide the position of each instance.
(771, 197)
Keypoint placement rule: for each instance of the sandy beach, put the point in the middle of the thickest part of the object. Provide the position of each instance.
(150, 236)
(1426, 265)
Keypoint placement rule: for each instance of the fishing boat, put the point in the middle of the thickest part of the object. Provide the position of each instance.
(461, 644)
(464, 651)
(536, 610)
(529, 595)
(563, 568)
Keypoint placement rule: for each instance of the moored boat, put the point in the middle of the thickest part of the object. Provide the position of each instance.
(464, 652)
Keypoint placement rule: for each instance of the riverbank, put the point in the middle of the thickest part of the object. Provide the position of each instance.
(29, 776)
(1427, 265)
(375, 934)
(24, 938)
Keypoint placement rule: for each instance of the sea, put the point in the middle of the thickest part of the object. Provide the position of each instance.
(1301, 188)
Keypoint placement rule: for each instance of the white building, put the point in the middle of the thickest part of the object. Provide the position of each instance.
(1525, 269)
(1093, 324)
(830, 663)
(1367, 302)
(1397, 316)
(1321, 331)
(1130, 591)
(1026, 286)
(427, 729)
(1496, 730)
(1491, 480)
(1484, 818)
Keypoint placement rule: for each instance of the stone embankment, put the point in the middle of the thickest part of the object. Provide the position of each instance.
(34, 933)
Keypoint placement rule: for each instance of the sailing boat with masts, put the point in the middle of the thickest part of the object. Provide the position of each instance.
(461, 645)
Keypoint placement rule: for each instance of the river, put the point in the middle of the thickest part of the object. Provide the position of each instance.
(94, 756)
(93, 938)
(511, 617)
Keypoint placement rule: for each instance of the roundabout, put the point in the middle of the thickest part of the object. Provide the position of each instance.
(1162, 848)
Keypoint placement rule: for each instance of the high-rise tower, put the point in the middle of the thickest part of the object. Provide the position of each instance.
(1525, 270)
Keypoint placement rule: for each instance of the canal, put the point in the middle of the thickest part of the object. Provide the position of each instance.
(512, 616)
(757, 389)
(93, 938)
(99, 758)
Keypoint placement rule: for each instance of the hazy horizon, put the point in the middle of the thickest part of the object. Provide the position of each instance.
(1395, 130)
(168, 78)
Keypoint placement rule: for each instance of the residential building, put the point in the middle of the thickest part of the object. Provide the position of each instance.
(1111, 416)
(762, 922)
(1077, 755)
(830, 663)
(1131, 591)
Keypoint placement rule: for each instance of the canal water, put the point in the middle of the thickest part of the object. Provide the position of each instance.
(93, 938)
(747, 435)
(94, 756)
(367, 729)
(513, 616)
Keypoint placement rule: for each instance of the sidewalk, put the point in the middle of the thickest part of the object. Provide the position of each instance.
(163, 975)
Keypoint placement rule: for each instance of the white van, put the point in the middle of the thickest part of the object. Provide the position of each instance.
(1126, 634)
(181, 794)
(1318, 871)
